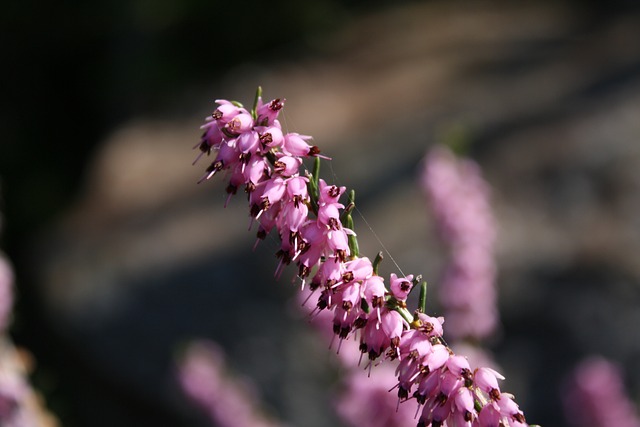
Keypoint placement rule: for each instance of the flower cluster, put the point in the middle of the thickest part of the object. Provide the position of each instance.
(316, 234)
(459, 199)
(363, 398)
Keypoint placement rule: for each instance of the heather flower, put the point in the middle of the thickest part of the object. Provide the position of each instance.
(594, 396)
(225, 112)
(364, 397)
(366, 400)
(381, 333)
(20, 405)
(374, 292)
(400, 287)
(229, 402)
(211, 138)
(459, 198)
(329, 194)
(241, 123)
(253, 173)
(271, 137)
(487, 380)
(6, 293)
(316, 233)
(287, 166)
(267, 113)
(296, 145)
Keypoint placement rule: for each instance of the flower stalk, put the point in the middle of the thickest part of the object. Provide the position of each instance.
(316, 234)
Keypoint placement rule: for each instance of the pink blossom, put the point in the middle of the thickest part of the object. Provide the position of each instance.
(329, 194)
(226, 111)
(400, 287)
(6, 293)
(211, 138)
(240, 124)
(314, 237)
(358, 269)
(228, 402)
(296, 145)
(271, 136)
(374, 291)
(19, 404)
(459, 199)
(366, 400)
(268, 112)
(329, 215)
(380, 334)
(338, 242)
(274, 191)
(356, 300)
(287, 166)
(487, 380)
(254, 172)
(594, 396)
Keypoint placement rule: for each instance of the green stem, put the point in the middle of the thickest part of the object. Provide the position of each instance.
(353, 241)
(316, 172)
(347, 221)
(254, 112)
(405, 314)
(422, 302)
(400, 307)
(376, 263)
(312, 185)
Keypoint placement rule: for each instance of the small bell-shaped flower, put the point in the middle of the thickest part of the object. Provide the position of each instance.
(268, 112)
(400, 287)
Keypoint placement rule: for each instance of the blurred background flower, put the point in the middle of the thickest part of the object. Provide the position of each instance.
(594, 395)
(120, 256)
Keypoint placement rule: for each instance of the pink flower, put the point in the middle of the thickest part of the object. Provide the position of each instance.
(6, 293)
(374, 291)
(338, 242)
(487, 380)
(228, 402)
(400, 287)
(240, 124)
(296, 145)
(211, 138)
(271, 136)
(225, 112)
(459, 199)
(329, 194)
(267, 113)
(274, 191)
(379, 334)
(366, 400)
(594, 396)
(329, 215)
(312, 236)
(287, 166)
(431, 325)
(359, 269)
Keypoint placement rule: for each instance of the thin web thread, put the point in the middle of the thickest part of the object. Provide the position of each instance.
(384, 248)
(338, 182)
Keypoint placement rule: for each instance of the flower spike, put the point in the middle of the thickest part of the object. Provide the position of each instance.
(316, 234)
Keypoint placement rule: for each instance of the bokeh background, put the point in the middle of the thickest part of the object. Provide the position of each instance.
(121, 258)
